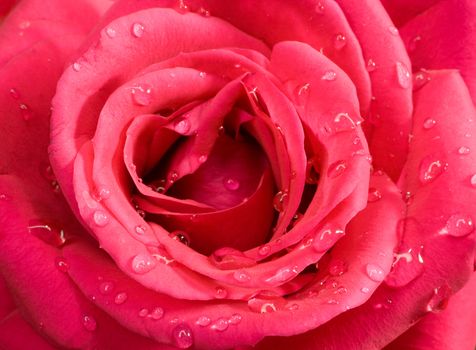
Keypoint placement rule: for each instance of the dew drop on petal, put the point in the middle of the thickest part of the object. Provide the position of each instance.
(202, 159)
(337, 267)
(111, 32)
(403, 75)
(120, 298)
(106, 287)
(182, 335)
(430, 169)
(283, 275)
(365, 290)
(241, 276)
(266, 302)
(25, 112)
(463, 150)
(143, 312)
(264, 250)
(46, 232)
(439, 299)
(89, 323)
(340, 41)
(371, 65)
(326, 238)
(393, 30)
(472, 181)
(76, 66)
(61, 264)
(235, 319)
(420, 79)
(203, 321)
(182, 126)
(329, 75)
(231, 184)
(375, 272)
(336, 169)
(180, 236)
(142, 94)
(319, 8)
(156, 314)
(219, 325)
(280, 200)
(142, 263)
(429, 123)
(14, 93)
(374, 195)
(137, 30)
(100, 218)
(140, 229)
(458, 225)
(220, 293)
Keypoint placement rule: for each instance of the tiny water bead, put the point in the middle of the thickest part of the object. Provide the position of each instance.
(264, 250)
(439, 299)
(429, 123)
(182, 126)
(202, 159)
(14, 93)
(336, 169)
(137, 30)
(241, 276)
(266, 302)
(393, 30)
(329, 75)
(106, 287)
(143, 312)
(142, 263)
(371, 65)
(220, 293)
(431, 168)
(231, 184)
(220, 325)
(375, 272)
(111, 32)
(101, 194)
(100, 218)
(142, 94)
(182, 335)
(120, 298)
(420, 79)
(281, 200)
(319, 8)
(282, 275)
(203, 321)
(140, 229)
(235, 319)
(463, 150)
(89, 323)
(25, 112)
(374, 195)
(458, 225)
(365, 290)
(76, 66)
(156, 314)
(403, 75)
(61, 264)
(337, 267)
(340, 41)
(325, 239)
(180, 236)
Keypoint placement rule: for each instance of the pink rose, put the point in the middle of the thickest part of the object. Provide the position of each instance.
(217, 174)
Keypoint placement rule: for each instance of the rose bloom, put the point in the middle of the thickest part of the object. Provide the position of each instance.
(213, 174)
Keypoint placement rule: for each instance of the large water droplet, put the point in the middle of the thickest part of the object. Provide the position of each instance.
(89, 323)
(142, 263)
(142, 94)
(265, 302)
(106, 287)
(439, 300)
(375, 272)
(340, 41)
(431, 168)
(403, 75)
(231, 184)
(458, 225)
(46, 232)
(406, 267)
(137, 30)
(219, 325)
(336, 169)
(100, 218)
(182, 335)
(227, 258)
(429, 123)
(182, 126)
(180, 236)
(326, 238)
(281, 200)
(120, 298)
(283, 275)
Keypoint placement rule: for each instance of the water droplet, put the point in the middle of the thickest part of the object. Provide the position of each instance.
(203, 321)
(458, 225)
(111, 32)
(202, 74)
(14, 93)
(182, 335)
(344, 122)
(337, 267)
(220, 293)
(302, 93)
(420, 79)
(231, 184)
(25, 112)
(326, 238)
(156, 314)
(202, 159)
(375, 272)
(172, 177)
(140, 229)
(340, 41)
(336, 169)
(220, 325)
(203, 12)
(61, 264)
(413, 43)
(48, 233)
(374, 195)
(429, 123)
(76, 66)
(283, 275)
(371, 65)
(137, 30)
(241, 276)
(101, 194)
(280, 200)
(182, 126)
(403, 75)
(365, 290)
(120, 298)
(106, 287)
(89, 323)
(142, 94)
(143, 312)
(439, 300)
(430, 169)
(266, 302)
(142, 263)
(472, 180)
(227, 258)
(24, 25)
(100, 218)
(235, 319)
(329, 75)
(406, 267)
(180, 236)
(463, 150)
(264, 250)
(319, 8)
(393, 30)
